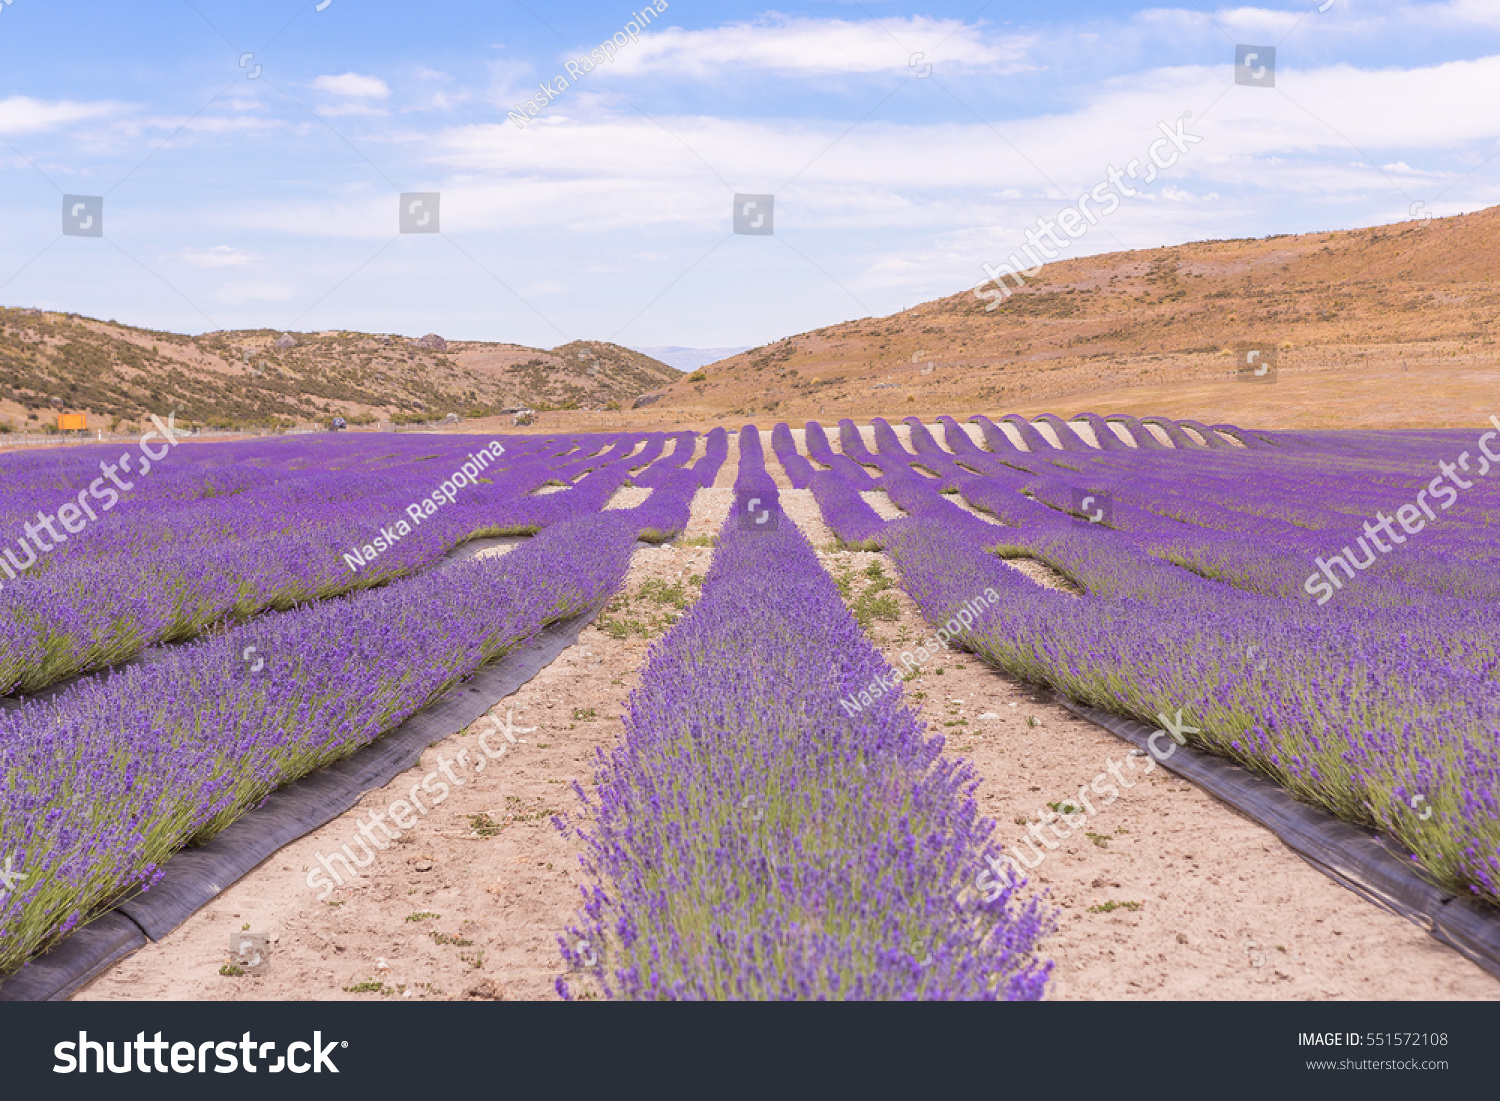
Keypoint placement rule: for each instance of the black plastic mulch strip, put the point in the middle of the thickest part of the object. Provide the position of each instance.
(195, 876)
(475, 547)
(81, 957)
(1352, 857)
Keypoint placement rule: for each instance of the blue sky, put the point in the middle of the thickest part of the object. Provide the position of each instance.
(905, 146)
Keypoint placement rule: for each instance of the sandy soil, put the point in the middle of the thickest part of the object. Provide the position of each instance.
(1225, 910)
(878, 500)
(469, 903)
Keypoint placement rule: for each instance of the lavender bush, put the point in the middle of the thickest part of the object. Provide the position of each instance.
(224, 532)
(752, 839)
(99, 786)
(1383, 706)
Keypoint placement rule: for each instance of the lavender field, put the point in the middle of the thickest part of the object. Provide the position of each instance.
(774, 820)
(1267, 591)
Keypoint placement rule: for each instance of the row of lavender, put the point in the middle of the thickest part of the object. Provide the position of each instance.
(1200, 576)
(751, 839)
(100, 785)
(224, 532)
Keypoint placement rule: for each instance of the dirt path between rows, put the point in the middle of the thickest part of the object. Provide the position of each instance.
(469, 903)
(1169, 894)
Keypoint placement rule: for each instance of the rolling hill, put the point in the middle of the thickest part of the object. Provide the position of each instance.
(1394, 325)
(119, 375)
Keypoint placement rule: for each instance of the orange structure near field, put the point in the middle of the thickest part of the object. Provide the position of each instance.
(72, 422)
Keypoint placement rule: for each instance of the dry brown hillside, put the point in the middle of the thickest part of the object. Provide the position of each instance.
(118, 375)
(1393, 326)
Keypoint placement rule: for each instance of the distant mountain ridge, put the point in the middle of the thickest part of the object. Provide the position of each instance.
(1391, 325)
(119, 375)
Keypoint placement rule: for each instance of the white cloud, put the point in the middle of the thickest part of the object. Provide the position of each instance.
(214, 124)
(1347, 19)
(1178, 195)
(1429, 108)
(899, 211)
(24, 115)
(254, 290)
(1242, 20)
(439, 102)
(608, 171)
(219, 256)
(353, 85)
(819, 46)
(588, 172)
(299, 219)
(339, 110)
(1483, 13)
